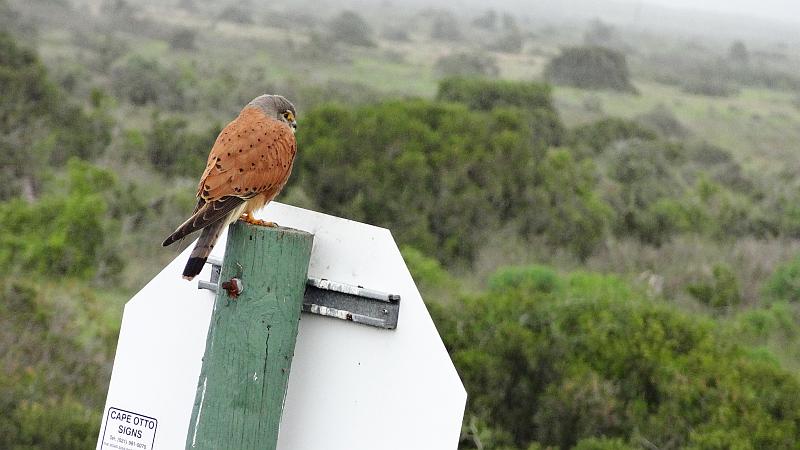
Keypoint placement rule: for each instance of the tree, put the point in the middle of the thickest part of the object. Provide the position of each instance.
(350, 28)
(590, 68)
(598, 33)
(738, 53)
(467, 64)
(487, 20)
(183, 39)
(445, 27)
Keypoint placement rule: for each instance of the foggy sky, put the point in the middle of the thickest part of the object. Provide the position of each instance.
(784, 10)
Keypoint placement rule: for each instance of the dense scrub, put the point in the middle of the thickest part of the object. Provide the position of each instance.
(552, 359)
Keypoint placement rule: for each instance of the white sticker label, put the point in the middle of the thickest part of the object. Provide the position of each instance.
(127, 430)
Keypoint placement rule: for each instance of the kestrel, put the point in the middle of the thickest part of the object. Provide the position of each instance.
(248, 166)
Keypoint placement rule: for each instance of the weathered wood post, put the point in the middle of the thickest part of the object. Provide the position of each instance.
(251, 340)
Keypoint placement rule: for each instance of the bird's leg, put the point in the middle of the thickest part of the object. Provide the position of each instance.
(265, 223)
(247, 218)
(253, 221)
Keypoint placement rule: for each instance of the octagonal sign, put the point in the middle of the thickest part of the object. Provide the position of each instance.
(351, 386)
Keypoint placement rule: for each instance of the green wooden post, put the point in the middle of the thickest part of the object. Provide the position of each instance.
(251, 340)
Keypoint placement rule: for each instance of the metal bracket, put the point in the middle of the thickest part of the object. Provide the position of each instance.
(333, 299)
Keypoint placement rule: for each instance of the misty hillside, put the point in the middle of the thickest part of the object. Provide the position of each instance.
(599, 201)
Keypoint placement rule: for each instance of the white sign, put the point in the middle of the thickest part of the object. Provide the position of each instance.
(351, 386)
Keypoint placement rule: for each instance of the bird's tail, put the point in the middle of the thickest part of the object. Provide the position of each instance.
(203, 248)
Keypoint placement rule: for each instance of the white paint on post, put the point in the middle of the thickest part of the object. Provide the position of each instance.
(351, 386)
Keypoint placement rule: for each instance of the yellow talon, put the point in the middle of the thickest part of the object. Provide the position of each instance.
(253, 221)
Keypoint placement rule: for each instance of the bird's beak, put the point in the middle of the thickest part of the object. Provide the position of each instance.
(293, 124)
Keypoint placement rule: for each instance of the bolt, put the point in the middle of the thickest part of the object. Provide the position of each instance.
(233, 287)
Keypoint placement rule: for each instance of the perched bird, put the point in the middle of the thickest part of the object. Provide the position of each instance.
(248, 166)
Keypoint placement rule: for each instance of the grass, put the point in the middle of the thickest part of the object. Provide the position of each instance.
(761, 127)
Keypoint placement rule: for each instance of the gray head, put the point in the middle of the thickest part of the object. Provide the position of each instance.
(277, 107)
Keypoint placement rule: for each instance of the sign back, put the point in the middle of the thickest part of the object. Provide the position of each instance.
(351, 386)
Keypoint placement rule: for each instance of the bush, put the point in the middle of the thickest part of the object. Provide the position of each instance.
(467, 65)
(709, 87)
(349, 28)
(602, 444)
(145, 81)
(445, 27)
(594, 364)
(487, 20)
(648, 199)
(183, 39)
(511, 42)
(721, 291)
(488, 94)
(663, 120)
(53, 379)
(525, 279)
(429, 275)
(237, 14)
(67, 232)
(174, 150)
(599, 136)
(784, 283)
(442, 174)
(590, 68)
(395, 34)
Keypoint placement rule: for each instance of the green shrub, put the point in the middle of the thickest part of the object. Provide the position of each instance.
(237, 14)
(646, 200)
(432, 171)
(428, 273)
(594, 364)
(143, 80)
(602, 444)
(590, 68)
(486, 95)
(350, 28)
(784, 283)
(721, 291)
(709, 87)
(174, 150)
(663, 120)
(511, 42)
(445, 27)
(467, 65)
(599, 135)
(528, 280)
(38, 122)
(63, 424)
(67, 232)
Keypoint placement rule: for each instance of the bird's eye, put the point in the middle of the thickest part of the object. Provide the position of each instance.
(288, 115)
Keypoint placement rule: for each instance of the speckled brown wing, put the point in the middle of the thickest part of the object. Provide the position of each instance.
(252, 155)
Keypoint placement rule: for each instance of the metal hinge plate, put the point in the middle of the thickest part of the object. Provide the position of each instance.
(333, 299)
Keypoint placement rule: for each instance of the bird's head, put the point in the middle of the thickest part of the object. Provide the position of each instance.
(278, 107)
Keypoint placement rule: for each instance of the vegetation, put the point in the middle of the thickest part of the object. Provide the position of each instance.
(608, 271)
(553, 359)
(590, 67)
(349, 28)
